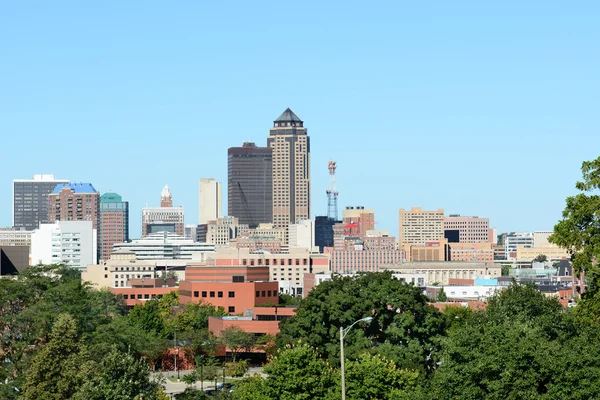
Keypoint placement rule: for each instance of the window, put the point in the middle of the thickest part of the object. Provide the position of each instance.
(269, 293)
(212, 294)
(146, 296)
(204, 293)
(231, 309)
(220, 294)
(196, 294)
(263, 293)
(125, 296)
(139, 296)
(231, 294)
(257, 293)
(238, 278)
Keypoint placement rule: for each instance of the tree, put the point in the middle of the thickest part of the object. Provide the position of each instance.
(298, 373)
(579, 233)
(540, 258)
(59, 368)
(288, 300)
(147, 316)
(441, 296)
(373, 377)
(119, 377)
(519, 348)
(506, 270)
(404, 329)
(251, 388)
(236, 340)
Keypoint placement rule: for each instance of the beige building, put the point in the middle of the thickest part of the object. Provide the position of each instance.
(15, 237)
(441, 272)
(430, 251)
(123, 267)
(552, 252)
(418, 227)
(209, 200)
(290, 145)
(222, 230)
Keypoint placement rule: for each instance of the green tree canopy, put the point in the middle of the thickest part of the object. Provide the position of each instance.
(404, 329)
(579, 232)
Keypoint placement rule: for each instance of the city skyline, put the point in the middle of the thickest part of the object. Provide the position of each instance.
(505, 107)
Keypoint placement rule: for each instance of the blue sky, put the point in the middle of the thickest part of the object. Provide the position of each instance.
(480, 109)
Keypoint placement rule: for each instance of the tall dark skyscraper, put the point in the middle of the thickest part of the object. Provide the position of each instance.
(30, 200)
(290, 143)
(250, 184)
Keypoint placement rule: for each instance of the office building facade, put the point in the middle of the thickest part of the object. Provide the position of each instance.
(165, 218)
(250, 184)
(418, 227)
(74, 202)
(210, 200)
(30, 200)
(470, 229)
(290, 147)
(114, 223)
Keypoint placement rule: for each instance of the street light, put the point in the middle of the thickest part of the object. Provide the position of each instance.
(343, 333)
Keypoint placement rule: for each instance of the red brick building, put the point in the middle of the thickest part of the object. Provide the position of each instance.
(141, 290)
(235, 288)
(74, 202)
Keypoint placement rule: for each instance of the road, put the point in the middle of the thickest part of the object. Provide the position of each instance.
(173, 388)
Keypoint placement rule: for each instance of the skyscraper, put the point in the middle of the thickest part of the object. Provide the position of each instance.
(165, 218)
(290, 145)
(114, 223)
(250, 184)
(74, 202)
(210, 200)
(30, 200)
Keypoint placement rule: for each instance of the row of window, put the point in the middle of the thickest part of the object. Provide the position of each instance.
(275, 260)
(212, 294)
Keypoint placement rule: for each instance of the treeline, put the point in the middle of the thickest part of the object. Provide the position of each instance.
(60, 339)
(524, 346)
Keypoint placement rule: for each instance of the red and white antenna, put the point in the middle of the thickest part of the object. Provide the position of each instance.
(332, 193)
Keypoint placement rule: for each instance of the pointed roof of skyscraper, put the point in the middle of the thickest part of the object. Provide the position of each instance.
(288, 116)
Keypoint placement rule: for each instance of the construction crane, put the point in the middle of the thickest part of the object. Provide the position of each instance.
(246, 206)
(332, 193)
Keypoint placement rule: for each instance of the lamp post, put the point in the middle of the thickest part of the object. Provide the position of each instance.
(343, 333)
(202, 372)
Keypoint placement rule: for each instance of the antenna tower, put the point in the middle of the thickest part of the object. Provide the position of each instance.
(332, 193)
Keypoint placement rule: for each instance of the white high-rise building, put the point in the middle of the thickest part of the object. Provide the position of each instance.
(65, 242)
(302, 234)
(209, 200)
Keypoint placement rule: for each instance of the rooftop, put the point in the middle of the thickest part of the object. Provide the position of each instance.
(75, 187)
(288, 116)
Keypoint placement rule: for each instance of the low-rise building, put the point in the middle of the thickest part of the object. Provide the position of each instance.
(123, 266)
(15, 237)
(166, 245)
(141, 290)
(441, 272)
